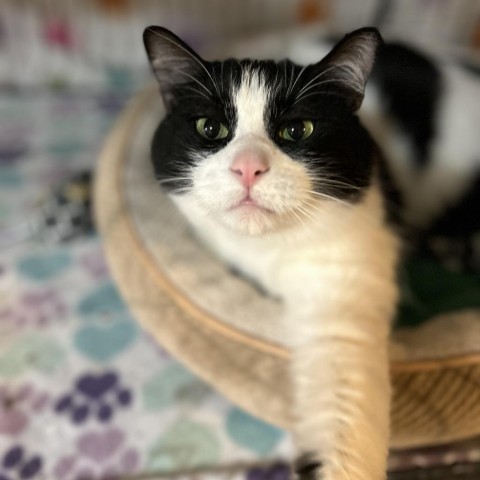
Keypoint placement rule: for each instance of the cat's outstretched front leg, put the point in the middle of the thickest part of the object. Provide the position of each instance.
(340, 374)
(342, 406)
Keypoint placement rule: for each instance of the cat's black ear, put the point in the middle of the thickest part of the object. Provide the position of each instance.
(350, 62)
(173, 61)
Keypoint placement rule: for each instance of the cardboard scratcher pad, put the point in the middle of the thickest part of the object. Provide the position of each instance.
(228, 333)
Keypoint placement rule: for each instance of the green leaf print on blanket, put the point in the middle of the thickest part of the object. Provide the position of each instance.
(31, 351)
(186, 445)
(172, 385)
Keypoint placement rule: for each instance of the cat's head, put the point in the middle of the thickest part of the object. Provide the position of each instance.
(261, 146)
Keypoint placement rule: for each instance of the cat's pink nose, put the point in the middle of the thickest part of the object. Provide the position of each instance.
(248, 166)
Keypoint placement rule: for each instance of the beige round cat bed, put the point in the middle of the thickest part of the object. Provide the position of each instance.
(227, 332)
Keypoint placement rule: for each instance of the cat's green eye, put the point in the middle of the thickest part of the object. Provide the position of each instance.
(211, 129)
(296, 130)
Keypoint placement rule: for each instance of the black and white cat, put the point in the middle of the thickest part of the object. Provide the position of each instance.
(271, 165)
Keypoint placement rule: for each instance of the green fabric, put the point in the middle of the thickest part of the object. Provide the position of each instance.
(429, 289)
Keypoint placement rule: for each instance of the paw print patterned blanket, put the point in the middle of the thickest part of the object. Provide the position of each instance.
(84, 393)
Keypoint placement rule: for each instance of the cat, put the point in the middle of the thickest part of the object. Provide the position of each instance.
(274, 170)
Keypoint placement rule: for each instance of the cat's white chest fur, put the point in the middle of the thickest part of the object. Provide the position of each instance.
(340, 236)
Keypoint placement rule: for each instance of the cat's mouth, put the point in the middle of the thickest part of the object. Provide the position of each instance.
(249, 204)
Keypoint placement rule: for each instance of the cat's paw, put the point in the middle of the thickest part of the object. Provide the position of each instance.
(307, 467)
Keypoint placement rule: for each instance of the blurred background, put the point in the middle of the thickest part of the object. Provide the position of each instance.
(95, 43)
(84, 394)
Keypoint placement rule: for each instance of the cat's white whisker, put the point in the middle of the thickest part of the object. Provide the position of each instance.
(328, 197)
(321, 93)
(173, 179)
(316, 85)
(215, 84)
(299, 219)
(291, 87)
(285, 71)
(334, 183)
(320, 75)
(306, 213)
(198, 92)
(196, 81)
(318, 209)
(194, 95)
(366, 215)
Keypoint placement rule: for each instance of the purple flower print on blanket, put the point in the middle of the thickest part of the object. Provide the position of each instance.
(277, 471)
(100, 454)
(17, 463)
(97, 396)
(34, 308)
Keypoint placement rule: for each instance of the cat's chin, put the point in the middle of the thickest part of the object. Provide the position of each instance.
(253, 221)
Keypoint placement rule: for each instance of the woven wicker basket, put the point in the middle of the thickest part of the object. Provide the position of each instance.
(172, 287)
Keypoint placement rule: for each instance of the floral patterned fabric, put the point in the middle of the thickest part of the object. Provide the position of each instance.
(84, 393)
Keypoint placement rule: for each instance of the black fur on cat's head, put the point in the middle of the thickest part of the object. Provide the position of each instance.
(256, 142)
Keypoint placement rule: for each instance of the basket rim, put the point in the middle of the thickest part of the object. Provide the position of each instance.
(134, 110)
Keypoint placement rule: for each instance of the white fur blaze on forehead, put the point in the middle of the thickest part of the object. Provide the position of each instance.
(250, 102)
